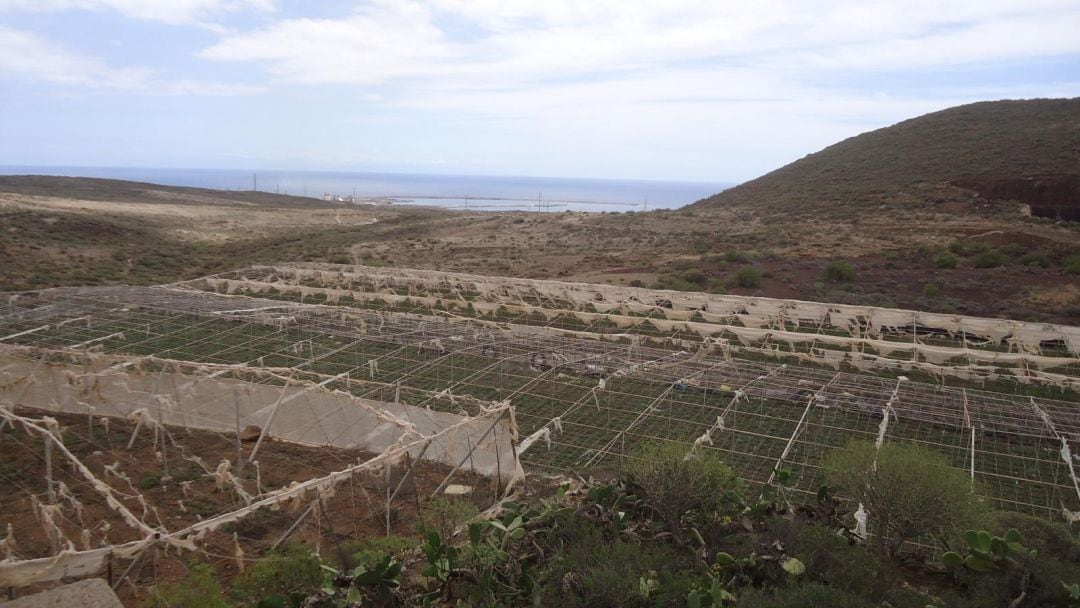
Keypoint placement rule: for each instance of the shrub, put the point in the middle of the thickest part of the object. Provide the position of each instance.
(1050, 538)
(1035, 258)
(736, 257)
(1071, 263)
(674, 282)
(289, 574)
(834, 561)
(908, 491)
(695, 276)
(1012, 249)
(839, 271)
(749, 277)
(371, 548)
(442, 515)
(596, 571)
(931, 290)
(990, 259)
(199, 589)
(945, 260)
(637, 283)
(674, 485)
(969, 247)
(802, 596)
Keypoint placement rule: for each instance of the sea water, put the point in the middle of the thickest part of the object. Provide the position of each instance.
(452, 191)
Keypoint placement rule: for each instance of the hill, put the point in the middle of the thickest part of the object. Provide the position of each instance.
(956, 160)
(120, 191)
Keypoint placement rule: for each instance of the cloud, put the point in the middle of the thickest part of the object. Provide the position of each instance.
(166, 11)
(489, 42)
(622, 77)
(388, 39)
(26, 55)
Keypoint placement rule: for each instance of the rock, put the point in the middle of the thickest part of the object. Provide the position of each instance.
(89, 593)
(250, 433)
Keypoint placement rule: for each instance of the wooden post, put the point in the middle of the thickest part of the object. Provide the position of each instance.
(389, 497)
(239, 450)
(295, 524)
(48, 468)
(446, 480)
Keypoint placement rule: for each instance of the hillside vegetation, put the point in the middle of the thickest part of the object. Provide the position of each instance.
(922, 162)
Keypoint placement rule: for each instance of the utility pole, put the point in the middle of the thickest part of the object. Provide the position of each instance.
(254, 181)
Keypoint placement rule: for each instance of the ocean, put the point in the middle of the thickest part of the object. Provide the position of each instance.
(451, 191)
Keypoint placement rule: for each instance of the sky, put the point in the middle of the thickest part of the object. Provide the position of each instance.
(704, 90)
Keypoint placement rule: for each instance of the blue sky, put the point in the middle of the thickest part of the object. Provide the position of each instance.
(682, 89)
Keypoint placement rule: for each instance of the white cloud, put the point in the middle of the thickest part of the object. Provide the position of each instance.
(622, 77)
(167, 11)
(388, 39)
(27, 55)
(523, 40)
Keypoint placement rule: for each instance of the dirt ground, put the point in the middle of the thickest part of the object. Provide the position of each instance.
(356, 511)
(893, 252)
(203, 222)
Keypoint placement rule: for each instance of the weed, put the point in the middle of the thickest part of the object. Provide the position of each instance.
(1036, 259)
(839, 271)
(748, 277)
(199, 589)
(442, 515)
(1071, 263)
(289, 574)
(908, 491)
(677, 487)
(990, 259)
(945, 260)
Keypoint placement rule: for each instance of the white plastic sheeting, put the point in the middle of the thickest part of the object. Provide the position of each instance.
(301, 414)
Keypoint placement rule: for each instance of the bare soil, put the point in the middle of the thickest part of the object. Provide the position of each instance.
(356, 511)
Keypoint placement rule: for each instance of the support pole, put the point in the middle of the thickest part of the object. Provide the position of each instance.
(239, 450)
(446, 480)
(295, 524)
(389, 497)
(48, 468)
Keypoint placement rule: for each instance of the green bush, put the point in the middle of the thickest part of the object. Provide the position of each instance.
(969, 247)
(442, 515)
(370, 548)
(990, 259)
(290, 574)
(1071, 263)
(1035, 258)
(839, 271)
(1012, 249)
(695, 276)
(945, 260)
(807, 595)
(834, 561)
(736, 257)
(596, 571)
(675, 283)
(199, 589)
(908, 492)
(748, 276)
(931, 290)
(1050, 538)
(675, 486)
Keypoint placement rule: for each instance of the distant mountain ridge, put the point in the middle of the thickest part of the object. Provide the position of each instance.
(1028, 151)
